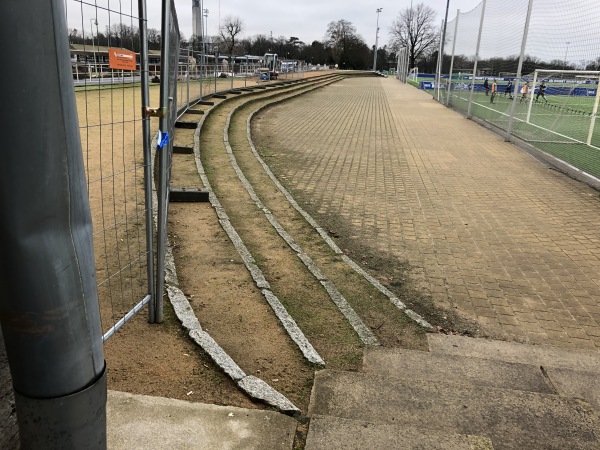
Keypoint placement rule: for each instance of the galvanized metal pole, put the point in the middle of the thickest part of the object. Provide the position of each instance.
(476, 59)
(144, 74)
(511, 118)
(163, 160)
(187, 78)
(452, 60)
(50, 317)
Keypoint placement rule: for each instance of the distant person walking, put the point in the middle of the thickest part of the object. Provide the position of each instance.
(486, 86)
(541, 93)
(508, 89)
(494, 91)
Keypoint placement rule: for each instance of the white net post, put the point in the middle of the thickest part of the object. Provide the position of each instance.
(594, 114)
(452, 59)
(476, 59)
(511, 118)
(438, 73)
(530, 93)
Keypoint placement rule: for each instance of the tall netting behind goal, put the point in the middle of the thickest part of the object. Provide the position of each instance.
(558, 110)
(491, 52)
(563, 52)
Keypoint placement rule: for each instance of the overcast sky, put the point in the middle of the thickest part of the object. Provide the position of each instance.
(308, 19)
(559, 30)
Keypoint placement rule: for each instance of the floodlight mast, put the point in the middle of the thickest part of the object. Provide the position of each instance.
(376, 40)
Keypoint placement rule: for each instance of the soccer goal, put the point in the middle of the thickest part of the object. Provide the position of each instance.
(564, 103)
(413, 74)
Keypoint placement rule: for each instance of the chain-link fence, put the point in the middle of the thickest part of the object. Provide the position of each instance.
(530, 68)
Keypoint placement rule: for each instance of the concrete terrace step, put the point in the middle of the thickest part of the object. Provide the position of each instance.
(543, 355)
(335, 433)
(512, 419)
(410, 364)
(144, 422)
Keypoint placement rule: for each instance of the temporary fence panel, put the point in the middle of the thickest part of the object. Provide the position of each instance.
(105, 46)
(551, 103)
(169, 108)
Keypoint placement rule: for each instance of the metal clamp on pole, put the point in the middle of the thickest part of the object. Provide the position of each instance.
(154, 112)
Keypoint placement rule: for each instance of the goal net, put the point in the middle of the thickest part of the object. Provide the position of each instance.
(413, 74)
(561, 107)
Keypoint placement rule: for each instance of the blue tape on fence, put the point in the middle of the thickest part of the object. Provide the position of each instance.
(164, 140)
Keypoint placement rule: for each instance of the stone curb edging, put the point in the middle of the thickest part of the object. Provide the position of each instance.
(364, 333)
(284, 317)
(385, 291)
(253, 386)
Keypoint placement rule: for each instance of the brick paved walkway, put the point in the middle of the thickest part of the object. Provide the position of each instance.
(486, 228)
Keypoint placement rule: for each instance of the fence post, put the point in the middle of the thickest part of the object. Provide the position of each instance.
(452, 59)
(145, 90)
(163, 160)
(201, 69)
(48, 296)
(511, 117)
(476, 59)
(187, 70)
(438, 76)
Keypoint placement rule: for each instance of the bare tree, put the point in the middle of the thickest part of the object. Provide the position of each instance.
(338, 36)
(231, 27)
(414, 29)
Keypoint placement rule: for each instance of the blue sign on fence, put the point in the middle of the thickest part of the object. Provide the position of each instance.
(427, 85)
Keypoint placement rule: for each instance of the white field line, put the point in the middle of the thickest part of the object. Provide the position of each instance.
(534, 125)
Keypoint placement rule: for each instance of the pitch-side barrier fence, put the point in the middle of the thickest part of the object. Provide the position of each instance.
(124, 94)
(529, 68)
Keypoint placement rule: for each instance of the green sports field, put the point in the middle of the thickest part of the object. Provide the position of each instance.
(559, 126)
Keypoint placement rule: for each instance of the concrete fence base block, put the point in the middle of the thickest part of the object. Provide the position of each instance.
(188, 195)
(186, 125)
(177, 149)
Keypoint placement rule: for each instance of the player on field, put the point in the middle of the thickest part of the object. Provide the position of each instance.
(508, 89)
(486, 86)
(494, 91)
(524, 91)
(541, 92)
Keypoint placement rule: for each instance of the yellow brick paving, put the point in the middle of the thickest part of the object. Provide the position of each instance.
(487, 229)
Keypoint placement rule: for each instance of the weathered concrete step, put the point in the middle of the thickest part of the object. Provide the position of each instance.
(335, 433)
(511, 419)
(140, 421)
(572, 383)
(543, 355)
(410, 364)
